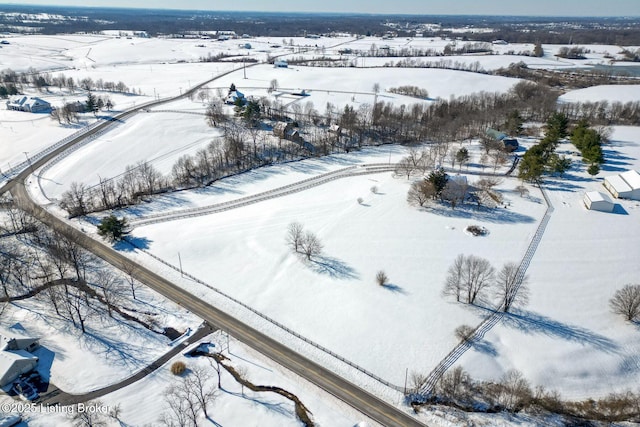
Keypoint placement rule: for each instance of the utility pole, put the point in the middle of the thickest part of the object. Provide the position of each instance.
(180, 261)
(244, 67)
(406, 374)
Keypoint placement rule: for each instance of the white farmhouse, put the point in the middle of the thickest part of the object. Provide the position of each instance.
(596, 201)
(29, 104)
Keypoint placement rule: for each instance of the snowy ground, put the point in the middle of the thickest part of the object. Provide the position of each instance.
(583, 258)
(157, 137)
(567, 339)
(108, 352)
(414, 247)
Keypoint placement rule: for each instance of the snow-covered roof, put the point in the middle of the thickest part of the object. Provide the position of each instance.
(16, 342)
(27, 101)
(619, 184)
(596, 196)
(632, 178)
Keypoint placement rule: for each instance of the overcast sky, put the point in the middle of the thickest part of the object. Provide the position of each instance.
(423, 7)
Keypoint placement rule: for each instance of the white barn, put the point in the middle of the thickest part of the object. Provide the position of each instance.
(596, 201)
(625, 185)
(632, 178)
(618, 187)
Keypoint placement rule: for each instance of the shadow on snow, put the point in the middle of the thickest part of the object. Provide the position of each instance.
(333, 267)
(530, 322)
(496, 215)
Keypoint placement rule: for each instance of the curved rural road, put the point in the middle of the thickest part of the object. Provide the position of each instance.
(361, 400)
(368, 404)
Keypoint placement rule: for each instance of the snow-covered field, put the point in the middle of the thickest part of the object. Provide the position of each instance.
(609, 93)
(247, 257)
(137, 139)
(565, 339)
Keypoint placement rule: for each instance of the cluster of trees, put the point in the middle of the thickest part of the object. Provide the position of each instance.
(589, 142)
(129, 188)
(574, 52)
(542, 158)
(70, 112)
(8, 90)
(437, 185)
(574, 80)
(409, 90)
(470, 278)
(630, 55)
(303, 242)
(88, 84)
(603, 112)
(469, 47)
(445, 64)
(14, 81)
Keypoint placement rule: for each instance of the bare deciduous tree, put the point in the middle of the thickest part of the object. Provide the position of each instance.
(311, 245)
(469, 276)
(198, 383)
(421, 192)
(381, 278)
(522, 190)
(464, 332)
(295, 235)
(455, 278)
(514, 391)
(454, 384)
(626, 302)
(508, 289)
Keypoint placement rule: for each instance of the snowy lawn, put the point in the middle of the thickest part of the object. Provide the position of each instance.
(334, 299)
(567, 338)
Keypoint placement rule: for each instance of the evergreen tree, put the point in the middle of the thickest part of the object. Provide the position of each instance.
(532, 164)
(462, 156)
(557, 125)
(438, 178)
(113, 228)
(91, 103)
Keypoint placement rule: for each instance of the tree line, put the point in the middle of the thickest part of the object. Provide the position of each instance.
(42, 80)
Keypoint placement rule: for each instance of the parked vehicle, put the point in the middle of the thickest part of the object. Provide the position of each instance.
(26, 390)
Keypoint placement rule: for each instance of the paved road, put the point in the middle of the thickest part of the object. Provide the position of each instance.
(55, 396)
(358, 398)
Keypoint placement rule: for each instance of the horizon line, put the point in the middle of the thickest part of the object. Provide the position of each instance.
(319, 12)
